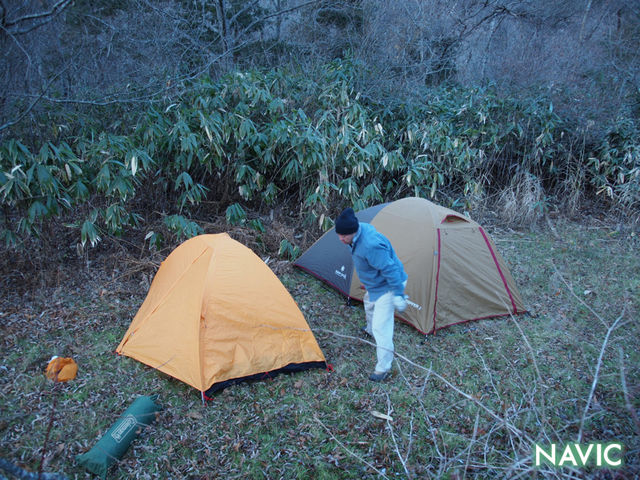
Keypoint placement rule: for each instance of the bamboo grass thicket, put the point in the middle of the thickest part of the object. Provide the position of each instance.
(257, 139)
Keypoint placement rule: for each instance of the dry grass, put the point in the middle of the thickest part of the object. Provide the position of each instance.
(523, 202)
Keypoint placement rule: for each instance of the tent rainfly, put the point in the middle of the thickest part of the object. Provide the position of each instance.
(216, 314)
(455, 271)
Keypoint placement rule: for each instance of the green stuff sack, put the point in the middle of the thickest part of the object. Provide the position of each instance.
(116, 441)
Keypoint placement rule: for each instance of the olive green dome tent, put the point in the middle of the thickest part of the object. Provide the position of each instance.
(455, 271)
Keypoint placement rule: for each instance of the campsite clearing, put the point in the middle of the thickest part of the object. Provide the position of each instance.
(471, 400)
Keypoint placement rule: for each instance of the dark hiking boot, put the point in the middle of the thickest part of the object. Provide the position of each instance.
(378, 376)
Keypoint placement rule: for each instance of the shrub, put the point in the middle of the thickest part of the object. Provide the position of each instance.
(262, 139)
(615, 167)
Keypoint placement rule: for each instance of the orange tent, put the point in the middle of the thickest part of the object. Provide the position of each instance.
(216, 314)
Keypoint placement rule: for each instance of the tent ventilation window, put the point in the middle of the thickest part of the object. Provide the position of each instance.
(454, 219)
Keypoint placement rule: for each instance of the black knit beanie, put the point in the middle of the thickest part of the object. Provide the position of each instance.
(346, 223)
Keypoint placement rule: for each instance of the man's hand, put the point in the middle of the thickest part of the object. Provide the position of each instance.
(400, 303)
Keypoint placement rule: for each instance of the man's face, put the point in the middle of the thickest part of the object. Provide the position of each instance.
(346, 239)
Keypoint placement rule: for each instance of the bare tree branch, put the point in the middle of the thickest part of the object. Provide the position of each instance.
(246, 8)
(41, 17)
(33, 104)
(15, 40)
(279, 13)
(3, 12)
(56, 8)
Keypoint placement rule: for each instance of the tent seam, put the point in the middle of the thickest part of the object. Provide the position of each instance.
(495, 261)
(435, 299)
(164, 298)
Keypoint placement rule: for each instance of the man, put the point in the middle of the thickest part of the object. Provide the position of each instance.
(384, 279)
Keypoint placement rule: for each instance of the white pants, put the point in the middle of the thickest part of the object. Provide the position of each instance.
(379, 315)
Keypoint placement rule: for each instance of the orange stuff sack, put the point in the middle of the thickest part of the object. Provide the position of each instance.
(61, 369)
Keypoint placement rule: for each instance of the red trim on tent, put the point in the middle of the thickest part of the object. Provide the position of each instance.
(434, 329)
(488, 317)
(495, 260)
(412, 325)
(435, 300)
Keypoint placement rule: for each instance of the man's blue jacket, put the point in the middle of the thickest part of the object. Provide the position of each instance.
(379, 268)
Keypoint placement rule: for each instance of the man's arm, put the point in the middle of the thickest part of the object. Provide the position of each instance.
(381, 259)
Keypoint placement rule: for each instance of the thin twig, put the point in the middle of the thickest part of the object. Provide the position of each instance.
(426, 417)
(493, 414)
(625, 391)
(406, 457)
(584, 304)
(52, 414)
(597, 372)
(379, 472)
(473, 440)
(486, 369)
(535, 365)
(393, 437)
(410, 443)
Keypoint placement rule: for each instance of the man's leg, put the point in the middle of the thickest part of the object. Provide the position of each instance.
(382, 327)
(368, 312)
